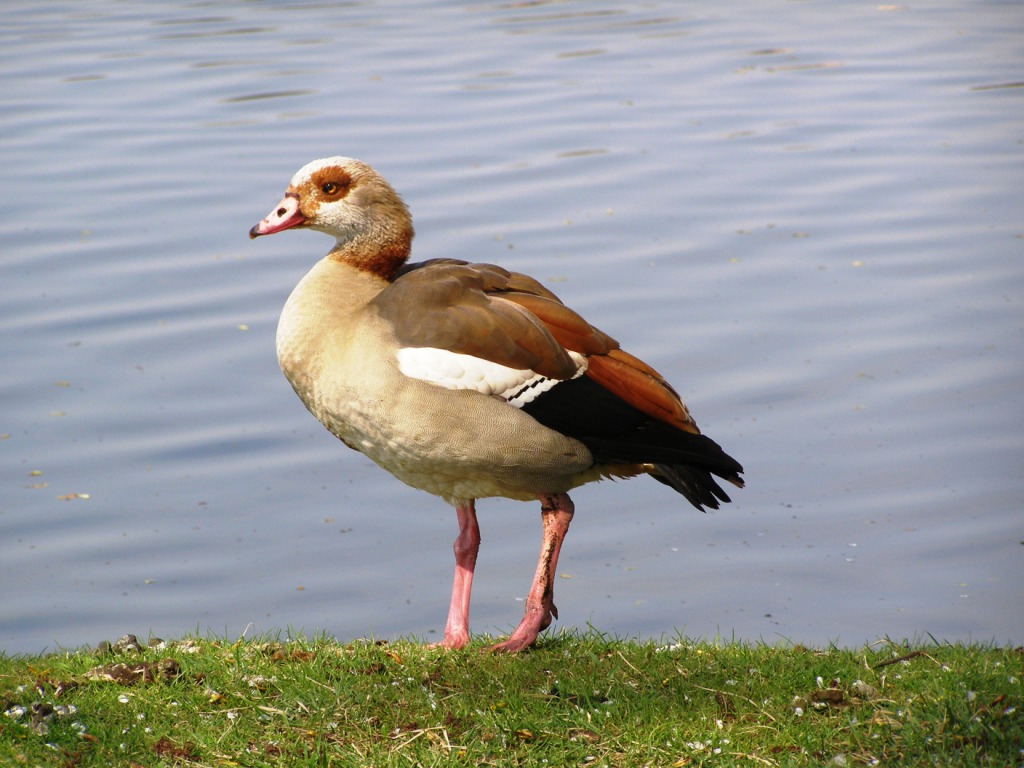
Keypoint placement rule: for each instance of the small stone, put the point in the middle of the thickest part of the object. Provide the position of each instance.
(862, 690)
(127, 644)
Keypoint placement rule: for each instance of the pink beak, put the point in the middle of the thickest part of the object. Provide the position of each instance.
(285, 215)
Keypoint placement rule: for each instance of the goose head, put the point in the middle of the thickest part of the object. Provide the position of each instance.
(348, 200)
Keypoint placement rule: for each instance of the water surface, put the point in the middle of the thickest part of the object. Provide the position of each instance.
(807, 216)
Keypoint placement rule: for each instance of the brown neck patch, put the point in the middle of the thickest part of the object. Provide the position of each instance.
(377, 256)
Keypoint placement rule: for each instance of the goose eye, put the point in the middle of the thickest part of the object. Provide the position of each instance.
(329, 188)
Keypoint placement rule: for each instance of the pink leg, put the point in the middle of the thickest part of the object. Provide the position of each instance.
(556, 513)
(467, 544)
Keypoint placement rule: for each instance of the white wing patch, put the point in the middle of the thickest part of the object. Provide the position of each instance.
(454, 370)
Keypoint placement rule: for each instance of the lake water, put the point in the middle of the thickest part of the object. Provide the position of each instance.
(809, 216)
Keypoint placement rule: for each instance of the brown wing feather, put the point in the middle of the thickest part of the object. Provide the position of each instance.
(511, 319)
(569, 329)
(456, 306)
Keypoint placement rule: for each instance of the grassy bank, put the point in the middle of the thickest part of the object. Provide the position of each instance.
(576, 700)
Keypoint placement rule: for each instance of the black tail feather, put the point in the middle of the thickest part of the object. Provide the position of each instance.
(697, 485)
(617, 433)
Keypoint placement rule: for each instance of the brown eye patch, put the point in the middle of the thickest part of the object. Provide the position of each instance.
(333, 183)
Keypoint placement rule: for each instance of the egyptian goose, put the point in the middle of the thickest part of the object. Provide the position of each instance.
(468, 381)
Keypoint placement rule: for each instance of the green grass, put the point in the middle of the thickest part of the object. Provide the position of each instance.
(577, 699)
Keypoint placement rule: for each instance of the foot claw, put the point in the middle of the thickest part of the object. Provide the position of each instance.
(511, 645)
(450, 643)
